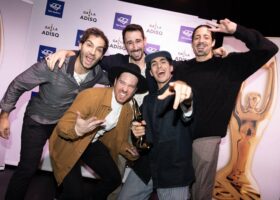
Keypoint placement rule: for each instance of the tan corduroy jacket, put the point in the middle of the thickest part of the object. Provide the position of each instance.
(66, 147)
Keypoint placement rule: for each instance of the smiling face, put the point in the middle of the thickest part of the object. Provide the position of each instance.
(135, 44)
(124, 87)
(161, 70)
(202, 44)
(91, 52)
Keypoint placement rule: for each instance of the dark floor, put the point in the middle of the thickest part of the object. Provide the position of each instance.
(42, 186)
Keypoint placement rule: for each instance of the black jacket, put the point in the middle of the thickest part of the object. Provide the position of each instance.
(169, 161)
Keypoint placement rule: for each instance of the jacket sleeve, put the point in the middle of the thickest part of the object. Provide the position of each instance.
(84, 103)
(34, 76)
(187, 110)
(260, 51)
(123, 151)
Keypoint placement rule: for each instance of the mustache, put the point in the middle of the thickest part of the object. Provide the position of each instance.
(201, 43)
(136, 50)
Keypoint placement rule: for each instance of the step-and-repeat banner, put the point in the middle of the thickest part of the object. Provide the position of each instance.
(248, 168)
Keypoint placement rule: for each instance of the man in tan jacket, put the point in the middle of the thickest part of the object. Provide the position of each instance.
(96, 114)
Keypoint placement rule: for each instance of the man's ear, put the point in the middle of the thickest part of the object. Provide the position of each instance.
(171, 68)
(151, 73)
(145, 41)
(213, 43)
(135, 90)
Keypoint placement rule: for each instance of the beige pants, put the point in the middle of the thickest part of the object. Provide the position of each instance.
(205, 159)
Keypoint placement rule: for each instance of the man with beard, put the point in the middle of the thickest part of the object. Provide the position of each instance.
(57, 90)
(96, 114)
(216, 83)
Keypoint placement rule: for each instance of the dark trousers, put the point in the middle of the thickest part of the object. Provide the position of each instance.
(33, 138)
(98, 158)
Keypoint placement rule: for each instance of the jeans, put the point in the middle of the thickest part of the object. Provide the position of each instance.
(33, 138)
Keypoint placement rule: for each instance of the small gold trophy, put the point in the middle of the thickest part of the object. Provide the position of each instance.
(139, 142)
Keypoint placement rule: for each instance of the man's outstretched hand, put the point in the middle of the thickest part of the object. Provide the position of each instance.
(180, 89)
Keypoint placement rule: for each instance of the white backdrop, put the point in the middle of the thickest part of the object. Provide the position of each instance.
(31, 31)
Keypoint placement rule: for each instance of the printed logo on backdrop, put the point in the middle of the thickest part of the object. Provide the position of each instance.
(54, 8)
(44, 51)
(185, 34)
(50, 30)
(79, 36)
(117, 44)
(88, 15)
(121, 21)
(151, 48)
(183, 55)
(155, 29)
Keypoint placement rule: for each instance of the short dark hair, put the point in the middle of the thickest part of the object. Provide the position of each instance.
(97, 33)
(207, 26)
(133, 27)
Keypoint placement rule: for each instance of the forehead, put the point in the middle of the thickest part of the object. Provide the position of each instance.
(96, 40)
(202, 31)
(133, 35)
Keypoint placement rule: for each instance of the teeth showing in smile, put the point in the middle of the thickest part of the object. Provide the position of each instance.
(122, 94)
(136, 53)
(89, 59)
(161, 73)
(200, 46)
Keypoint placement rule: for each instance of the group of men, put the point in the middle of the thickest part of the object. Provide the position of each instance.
(185, 113)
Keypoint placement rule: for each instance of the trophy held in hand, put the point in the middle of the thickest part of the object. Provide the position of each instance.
(139, 142)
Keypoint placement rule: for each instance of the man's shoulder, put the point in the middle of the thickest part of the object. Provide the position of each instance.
(95, 95)
(96, 90)
(183, 62)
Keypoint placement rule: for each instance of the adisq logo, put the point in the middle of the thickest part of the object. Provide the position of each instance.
(89, 16)
(117, 44)
(50, 30)
(155, 29)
